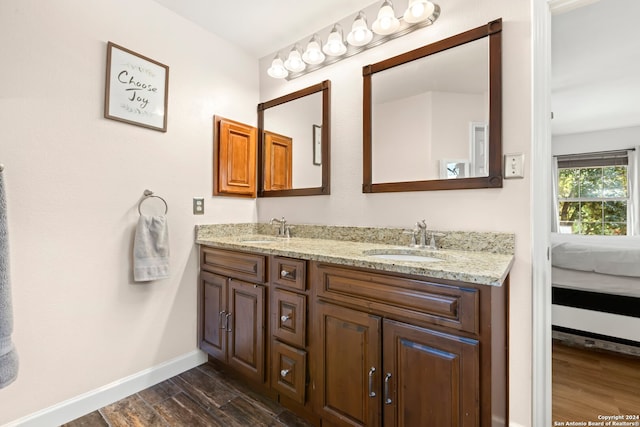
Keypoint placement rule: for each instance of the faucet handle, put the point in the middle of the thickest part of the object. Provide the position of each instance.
(287, 230)
(413, 236)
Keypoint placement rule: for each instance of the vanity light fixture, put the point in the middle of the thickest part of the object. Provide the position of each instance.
(335, 43)
(294, 61)
(387, 26)
(418, 10)
(277, 70)
(313, 53)
(360, 33)
(386, 23)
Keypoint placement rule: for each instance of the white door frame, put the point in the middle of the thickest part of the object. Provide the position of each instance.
(541, 212)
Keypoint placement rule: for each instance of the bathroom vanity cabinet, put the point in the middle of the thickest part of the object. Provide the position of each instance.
(402, 351)
(353, 346)
(233, 312)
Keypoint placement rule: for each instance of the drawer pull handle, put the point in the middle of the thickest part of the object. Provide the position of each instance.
(288, 274)
(284, 373)
(284, 318)
(227, 322)
(371, 372)
(222, 325)
(387, 399)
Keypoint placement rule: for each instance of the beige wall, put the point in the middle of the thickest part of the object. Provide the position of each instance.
(507, 209)
(74, 179)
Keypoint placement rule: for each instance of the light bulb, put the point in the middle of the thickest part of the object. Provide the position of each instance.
(418, 10)
(313, 54)
(335, 46)
(294, 61)
(277, 70)
(360, 34)
(386, 23)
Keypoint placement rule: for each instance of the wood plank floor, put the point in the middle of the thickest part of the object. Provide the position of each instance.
(588, 383)
(202, 396)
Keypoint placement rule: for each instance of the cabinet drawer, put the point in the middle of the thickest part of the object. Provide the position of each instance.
(289, 311)
(441, 304)
(239, 265)
(289, 272)
(289, 371)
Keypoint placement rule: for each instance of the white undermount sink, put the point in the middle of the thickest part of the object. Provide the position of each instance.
(400, 256)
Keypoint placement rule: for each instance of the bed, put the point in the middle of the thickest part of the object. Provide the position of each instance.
(596, 287)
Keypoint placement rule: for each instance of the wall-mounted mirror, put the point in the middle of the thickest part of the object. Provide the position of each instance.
(294, 134)
(433, 116)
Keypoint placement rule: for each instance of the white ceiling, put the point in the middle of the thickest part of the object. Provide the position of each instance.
(596, 67)
(261, 27)
(595, 48)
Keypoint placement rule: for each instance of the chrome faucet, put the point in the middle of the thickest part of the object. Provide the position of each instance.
(283, 228)
(421, 230)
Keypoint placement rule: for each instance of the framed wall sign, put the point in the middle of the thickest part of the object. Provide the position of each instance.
(317, 145)
(136, 89)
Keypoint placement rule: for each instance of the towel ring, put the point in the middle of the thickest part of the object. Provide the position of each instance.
(147, 195)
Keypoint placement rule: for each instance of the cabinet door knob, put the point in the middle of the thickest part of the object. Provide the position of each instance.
(371, 372)
(284, 318)
(288, 274)
(284, 373)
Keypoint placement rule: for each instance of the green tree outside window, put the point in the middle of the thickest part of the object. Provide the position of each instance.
(593, 200)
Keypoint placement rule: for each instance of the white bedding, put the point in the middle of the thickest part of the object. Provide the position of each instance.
(595, 282)
(611, 255)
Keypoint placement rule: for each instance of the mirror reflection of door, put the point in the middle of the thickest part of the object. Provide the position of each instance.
(278, 169)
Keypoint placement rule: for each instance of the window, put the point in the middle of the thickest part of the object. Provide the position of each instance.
(593, 193)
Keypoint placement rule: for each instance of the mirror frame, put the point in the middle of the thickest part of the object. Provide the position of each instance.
(492, 30)
(325, 188)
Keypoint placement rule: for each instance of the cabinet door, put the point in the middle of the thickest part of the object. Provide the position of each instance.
(236, 161)
(348, 366)
(214, 300)
(278, 155)
(246, 329)
(429, 378)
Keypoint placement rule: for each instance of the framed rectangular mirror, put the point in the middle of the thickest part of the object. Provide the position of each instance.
(294, 143)
(432, 117)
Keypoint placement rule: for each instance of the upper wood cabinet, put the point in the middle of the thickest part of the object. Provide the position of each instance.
(234, 158)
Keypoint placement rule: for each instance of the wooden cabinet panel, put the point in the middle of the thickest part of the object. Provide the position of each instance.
(278, 157)
(235, 158)
(246, 328)
(430, 378)
(289, 371)
(239, 265)
(415, 300)
(348, 366)
(214, 301)
(289, 272)
(289, 317)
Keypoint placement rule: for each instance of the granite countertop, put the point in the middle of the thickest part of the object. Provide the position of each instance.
(479, 267)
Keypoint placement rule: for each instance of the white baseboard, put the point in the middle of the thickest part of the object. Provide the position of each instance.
(88, 402)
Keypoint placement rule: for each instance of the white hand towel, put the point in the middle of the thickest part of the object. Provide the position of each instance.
(8, 356)
(151, 249)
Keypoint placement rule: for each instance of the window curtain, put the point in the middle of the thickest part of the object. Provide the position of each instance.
(633, 207)
(555, 215)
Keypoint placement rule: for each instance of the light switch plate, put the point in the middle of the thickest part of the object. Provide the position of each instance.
(513, 166)
(198, 205)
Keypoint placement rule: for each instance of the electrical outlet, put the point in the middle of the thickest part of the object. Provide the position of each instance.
(513, 166)
(198, 205)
